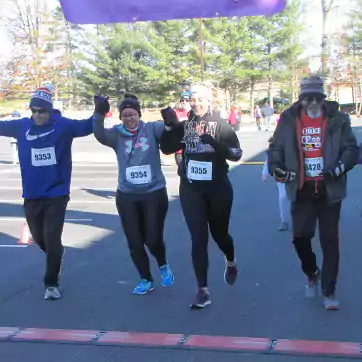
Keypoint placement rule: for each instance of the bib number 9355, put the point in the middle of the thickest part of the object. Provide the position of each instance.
(200, 171)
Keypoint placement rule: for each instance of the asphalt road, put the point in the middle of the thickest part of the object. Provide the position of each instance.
(98, 276)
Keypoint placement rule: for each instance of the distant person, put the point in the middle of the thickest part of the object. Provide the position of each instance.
(267, 113)
(13, 141)
(284, 205)
(233, 118)
(257, 116)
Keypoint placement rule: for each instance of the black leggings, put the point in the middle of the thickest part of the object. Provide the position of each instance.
(204, 207)
(143, 218)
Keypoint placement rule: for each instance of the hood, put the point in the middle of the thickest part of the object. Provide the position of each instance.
(330, 109)
(55, 117)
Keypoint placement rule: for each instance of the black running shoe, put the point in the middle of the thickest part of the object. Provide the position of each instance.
(202, 300)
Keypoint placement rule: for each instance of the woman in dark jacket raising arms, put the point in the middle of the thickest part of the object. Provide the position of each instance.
(206, 194)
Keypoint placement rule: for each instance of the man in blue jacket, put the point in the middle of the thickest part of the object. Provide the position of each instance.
(44, 147)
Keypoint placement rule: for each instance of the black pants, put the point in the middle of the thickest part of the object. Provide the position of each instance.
(143, 218)
(45, 218)
(204, 207)
(309, 208)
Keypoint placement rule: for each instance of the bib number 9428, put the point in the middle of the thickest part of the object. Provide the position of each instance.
(313, 167)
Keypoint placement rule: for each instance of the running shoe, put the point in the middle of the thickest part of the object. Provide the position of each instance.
(283, 226)
(52, 293)
(311, 289)
(202, 299)
(143, 287)
(231, 272)
(167, 277)
(331, 303)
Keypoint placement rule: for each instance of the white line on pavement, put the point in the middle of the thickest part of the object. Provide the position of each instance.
(14, 246)
(105, 201)
(21, 218)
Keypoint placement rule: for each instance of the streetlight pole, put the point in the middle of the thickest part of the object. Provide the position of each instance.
(201, 44)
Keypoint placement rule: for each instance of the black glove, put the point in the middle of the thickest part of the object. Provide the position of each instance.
(283, 176)
(169, 116)
(101, 105)
(336, 171)
(207, 139)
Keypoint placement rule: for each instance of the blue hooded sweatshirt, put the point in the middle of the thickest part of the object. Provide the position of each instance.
(45, 152)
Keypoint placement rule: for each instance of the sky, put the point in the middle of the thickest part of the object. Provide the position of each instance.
(312, 36)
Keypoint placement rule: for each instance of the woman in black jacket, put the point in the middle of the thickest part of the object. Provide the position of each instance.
(206, 194)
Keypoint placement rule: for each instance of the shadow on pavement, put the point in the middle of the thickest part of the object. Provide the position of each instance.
(101, 193)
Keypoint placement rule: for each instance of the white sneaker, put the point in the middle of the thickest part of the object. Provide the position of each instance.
(331, 303)
(52, 293)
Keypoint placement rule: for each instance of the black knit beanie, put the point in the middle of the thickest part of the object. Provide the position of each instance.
(130, 101)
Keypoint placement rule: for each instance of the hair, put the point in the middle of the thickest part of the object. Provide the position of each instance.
(200, 88)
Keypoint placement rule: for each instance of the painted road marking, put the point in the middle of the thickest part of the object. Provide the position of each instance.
(14, 246)
(23, 219)
(105, 201)
(183, 341)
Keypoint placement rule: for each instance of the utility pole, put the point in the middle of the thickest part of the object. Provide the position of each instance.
(201, 43)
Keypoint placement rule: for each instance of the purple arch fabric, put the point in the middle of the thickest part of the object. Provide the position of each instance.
(125, 11)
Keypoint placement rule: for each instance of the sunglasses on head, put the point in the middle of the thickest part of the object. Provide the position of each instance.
(40, 111)
(314, 97)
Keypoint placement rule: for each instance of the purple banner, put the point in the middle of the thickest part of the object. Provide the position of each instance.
(125, 11)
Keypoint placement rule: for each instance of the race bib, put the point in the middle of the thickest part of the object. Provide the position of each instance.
(313, 166)
(139, 175)
(200, 171)
(43, 157)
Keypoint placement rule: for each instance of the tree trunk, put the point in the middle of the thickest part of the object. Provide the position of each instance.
(326, 9)
(252, 87)
(324, 56)
(270, 95)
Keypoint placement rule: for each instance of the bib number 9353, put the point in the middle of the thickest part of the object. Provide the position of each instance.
(43, 157)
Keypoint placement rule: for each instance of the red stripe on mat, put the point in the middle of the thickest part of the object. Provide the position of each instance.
(56, 335)
(238, 343)
(317, 347)
(150, 339)
(241, 344)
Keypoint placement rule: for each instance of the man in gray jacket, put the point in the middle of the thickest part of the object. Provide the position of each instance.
(312, 150)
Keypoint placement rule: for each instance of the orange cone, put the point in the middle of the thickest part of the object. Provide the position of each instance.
(25, 237)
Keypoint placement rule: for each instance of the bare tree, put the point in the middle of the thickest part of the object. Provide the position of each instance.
(327, 7)
(27, 26)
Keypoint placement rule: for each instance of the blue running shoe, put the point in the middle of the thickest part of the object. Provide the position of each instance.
(167, 277)
(143, 287)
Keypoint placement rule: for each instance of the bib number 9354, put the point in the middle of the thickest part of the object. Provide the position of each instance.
(139, 175)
